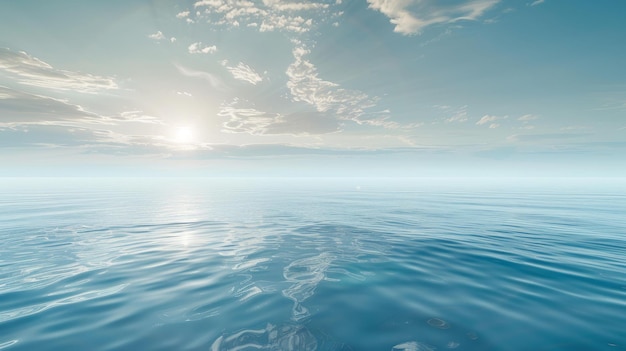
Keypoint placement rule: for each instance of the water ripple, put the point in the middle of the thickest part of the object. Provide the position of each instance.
(196, 266)
(304, 275)
(81, 297)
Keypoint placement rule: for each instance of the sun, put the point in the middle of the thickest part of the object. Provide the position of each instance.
(184, 135)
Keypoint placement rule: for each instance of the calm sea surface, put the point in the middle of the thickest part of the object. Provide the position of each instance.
(309, 264)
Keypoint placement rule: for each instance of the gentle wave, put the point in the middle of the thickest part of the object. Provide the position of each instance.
(196, 267)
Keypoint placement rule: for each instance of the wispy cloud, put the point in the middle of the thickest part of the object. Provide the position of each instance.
(458, 115)
(212, 79)
(242, 118)
(266, 15)
(159, 36)
(537, 2)
(198, 48)
(18, 108)
(136, 116)
(526, 121)
(243, 73)
(32, 71)
(246, 120)
(487, 119)
(412, 16)
(21, 108)
(527, 118)
(49, 136)
(305, 85)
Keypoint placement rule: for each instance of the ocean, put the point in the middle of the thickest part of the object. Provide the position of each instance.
(312, 264)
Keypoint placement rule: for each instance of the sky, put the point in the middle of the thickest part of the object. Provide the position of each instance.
(406, 88)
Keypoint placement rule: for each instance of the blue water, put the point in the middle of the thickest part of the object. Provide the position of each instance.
(353, 264)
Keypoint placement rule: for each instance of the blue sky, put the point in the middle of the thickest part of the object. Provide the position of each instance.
(277, 87)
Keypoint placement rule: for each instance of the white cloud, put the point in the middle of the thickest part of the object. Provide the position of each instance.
(305, 85)
(29, 70)
(295, 24)
(198, 48)
(266, 15)
(384, 122)
(494, 125)
(157, 36)
(183, 14)
(537, 2)
(528, 117)
(294, 6)
(246, 120)
(137, 117)
(451, 114)
(486, 119)
(210, 3)
(325, 98)
(459, 115)
(412, 16)
(244, 73)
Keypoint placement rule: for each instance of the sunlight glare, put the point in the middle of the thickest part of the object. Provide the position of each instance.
(184, 135)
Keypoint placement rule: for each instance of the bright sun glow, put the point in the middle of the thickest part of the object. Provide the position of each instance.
(184, 135)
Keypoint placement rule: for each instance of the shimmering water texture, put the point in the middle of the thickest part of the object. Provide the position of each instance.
(418, 265)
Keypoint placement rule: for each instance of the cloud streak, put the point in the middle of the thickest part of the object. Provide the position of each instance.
(18, 108)
(212, 79)
(412, 16)
(243, 73)
(29, 70)
(21, 108)
(486, 119)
